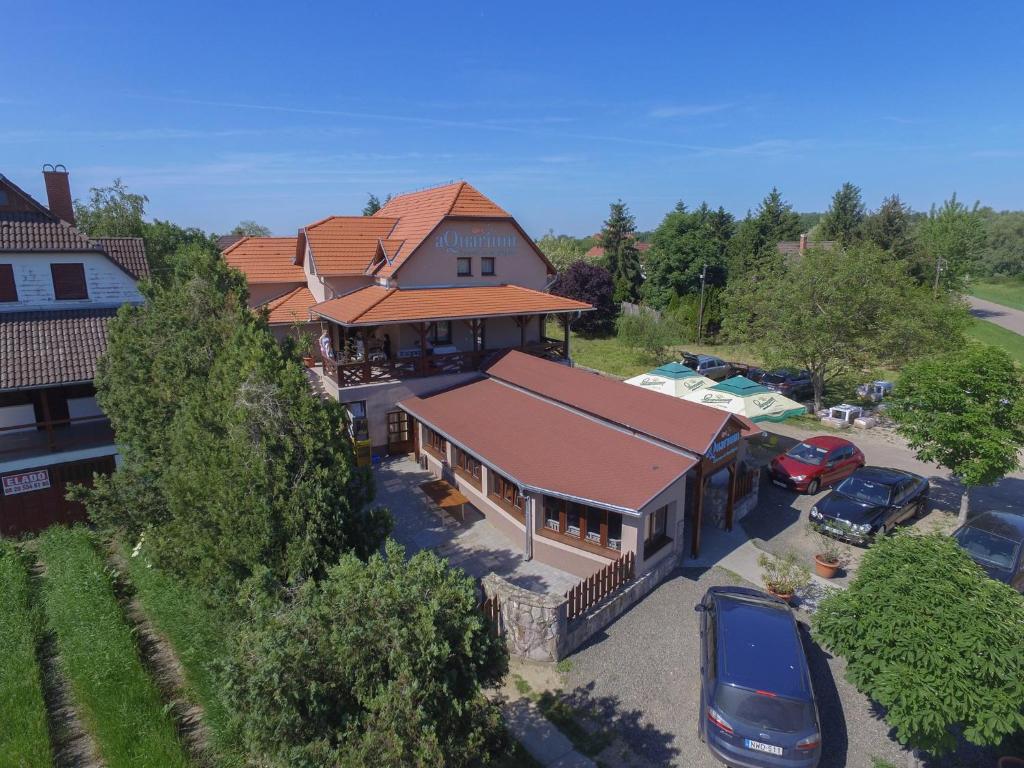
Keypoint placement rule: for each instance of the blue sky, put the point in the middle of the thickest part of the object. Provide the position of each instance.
(287, 112)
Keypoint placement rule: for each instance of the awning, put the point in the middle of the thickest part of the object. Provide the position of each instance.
(671, 379)
(376, 305)
(744, 397)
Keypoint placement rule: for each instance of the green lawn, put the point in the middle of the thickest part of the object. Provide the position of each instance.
(24, 735)
(997, 336)
(117, 700)
(199, 638)
(1009, 293)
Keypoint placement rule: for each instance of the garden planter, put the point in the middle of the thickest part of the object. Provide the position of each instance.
(784, 596)
(824, 568)
(308, 360)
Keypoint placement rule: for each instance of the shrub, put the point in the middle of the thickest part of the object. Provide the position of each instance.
(380, 663)
(931, 638)
(646, 332)
(592, 284)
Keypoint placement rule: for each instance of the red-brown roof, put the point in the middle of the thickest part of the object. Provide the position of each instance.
(418, 213)
(375, 305)
(687, 425)
(549, 448)
(346, 245)
(265, 259)
(293, 307)
(129, 253)
(598, 250)
(40, 349)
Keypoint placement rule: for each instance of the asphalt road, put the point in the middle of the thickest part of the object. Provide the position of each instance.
(1007, 317)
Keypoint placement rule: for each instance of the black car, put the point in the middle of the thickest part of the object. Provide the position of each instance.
(794, 384)
(871, 501)
(757, 703)
(995, 541)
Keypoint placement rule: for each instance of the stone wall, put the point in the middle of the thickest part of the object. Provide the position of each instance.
(534, 624)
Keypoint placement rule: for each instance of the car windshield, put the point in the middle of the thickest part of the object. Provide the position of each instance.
(774, 378)
(988, 547)
(808, 454)
(764, 711)
(864, 490)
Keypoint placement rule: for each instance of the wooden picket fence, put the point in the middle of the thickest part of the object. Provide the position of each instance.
(594, 589)
(491, 610)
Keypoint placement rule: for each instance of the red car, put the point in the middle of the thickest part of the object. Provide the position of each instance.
(815, 462)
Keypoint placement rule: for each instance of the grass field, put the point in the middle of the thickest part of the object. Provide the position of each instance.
(24, 735)
(116, 697)
(997, 336)
(199, 638)
(1009, 293)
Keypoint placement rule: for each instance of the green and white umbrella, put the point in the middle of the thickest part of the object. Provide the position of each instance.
(744, 397)
(671, 379)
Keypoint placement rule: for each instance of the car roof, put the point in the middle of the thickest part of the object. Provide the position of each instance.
(827, 442)
(884, 475)
(758, 644)
(1002, 523)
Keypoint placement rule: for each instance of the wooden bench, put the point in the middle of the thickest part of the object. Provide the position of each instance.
(447, 497)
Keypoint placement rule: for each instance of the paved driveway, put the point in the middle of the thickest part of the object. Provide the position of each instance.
(642, 678)
(1008, 317)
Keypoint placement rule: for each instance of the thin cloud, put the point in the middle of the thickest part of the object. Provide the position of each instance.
(687, 110)
(137, 134)
(998, 153)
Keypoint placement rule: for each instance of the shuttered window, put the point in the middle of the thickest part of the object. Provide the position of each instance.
(69, 282)
(8, 290)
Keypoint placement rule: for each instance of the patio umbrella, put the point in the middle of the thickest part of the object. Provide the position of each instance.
(671, 379)
(744, 397)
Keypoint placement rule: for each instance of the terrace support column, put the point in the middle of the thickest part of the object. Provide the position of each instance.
(565, 349)
(733, 472)
(366, 355)
(421, 329)
(698, 513)
(44, 396)
(528, 511)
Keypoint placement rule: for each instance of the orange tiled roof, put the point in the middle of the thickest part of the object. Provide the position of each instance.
(375, 305)
(291, 308)
(347, 245)
(265, 259)
(418, 213)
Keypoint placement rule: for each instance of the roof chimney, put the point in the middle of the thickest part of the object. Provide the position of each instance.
(58, 192)
(803, 242)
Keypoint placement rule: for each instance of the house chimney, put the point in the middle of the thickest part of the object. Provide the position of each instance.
(58, 192)
(803, 242)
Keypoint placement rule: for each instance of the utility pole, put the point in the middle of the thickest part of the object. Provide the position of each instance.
(939, 264)
(700, 314)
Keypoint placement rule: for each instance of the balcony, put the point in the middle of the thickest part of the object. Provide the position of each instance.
(23, 441)
(379, 368)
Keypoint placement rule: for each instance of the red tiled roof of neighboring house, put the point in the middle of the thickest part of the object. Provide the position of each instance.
(293, 307)
(375, 304)
(549, 448)
(52, 347)
(226, 241)
(792, 247)
(265, 259)
(598, 250)
(418, 213)
(687, 425)
(129, 253)
(346, 245)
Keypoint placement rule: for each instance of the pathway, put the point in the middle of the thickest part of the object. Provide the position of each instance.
(545, 743)
(1007, 317)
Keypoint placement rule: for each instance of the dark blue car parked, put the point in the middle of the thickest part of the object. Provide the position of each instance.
(757, 703)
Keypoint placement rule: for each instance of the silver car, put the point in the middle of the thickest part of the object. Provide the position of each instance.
(707, 365)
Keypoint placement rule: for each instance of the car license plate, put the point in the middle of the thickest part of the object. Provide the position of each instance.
(758, 746)
(834, 531)
(779, 483)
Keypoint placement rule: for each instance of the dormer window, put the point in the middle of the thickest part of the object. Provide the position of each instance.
(69, 282)
(8, 290)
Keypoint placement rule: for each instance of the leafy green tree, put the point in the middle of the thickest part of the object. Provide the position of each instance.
(949, 242)
(1003, 255)
(754, 248)
(680, 247)
(835, 311)
(111, 212)
(561, 250)
(889, 227)
(228, 463)
(381, 663)
(163, 239)
(249, 228)
(587, 282)
(933, 640)
(372, 205)
(844, 220)
(963, 410)
(645, 331)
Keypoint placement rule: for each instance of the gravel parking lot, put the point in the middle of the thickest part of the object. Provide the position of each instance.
(642, 678)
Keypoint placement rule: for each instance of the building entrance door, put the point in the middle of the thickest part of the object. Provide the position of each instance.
(399, 433)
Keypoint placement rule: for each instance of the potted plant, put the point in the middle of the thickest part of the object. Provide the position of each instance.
(830, 555)
(783, 576)
(304, 341)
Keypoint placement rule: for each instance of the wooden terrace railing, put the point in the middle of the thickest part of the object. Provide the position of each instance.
(600, 585)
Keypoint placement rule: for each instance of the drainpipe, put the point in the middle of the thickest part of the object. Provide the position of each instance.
(528, 521)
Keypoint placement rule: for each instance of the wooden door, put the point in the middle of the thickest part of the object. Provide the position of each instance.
(399, 433)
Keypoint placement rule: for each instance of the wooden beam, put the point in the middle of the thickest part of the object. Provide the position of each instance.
(421, 329)
(733, 472)
(698, 513)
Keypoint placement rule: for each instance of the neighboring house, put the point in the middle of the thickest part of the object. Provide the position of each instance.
(226, 241)
(577, 469)
(58, 291)
(414, 298)
(794, 249)
(597, 251)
